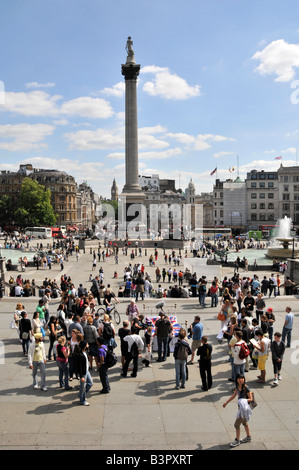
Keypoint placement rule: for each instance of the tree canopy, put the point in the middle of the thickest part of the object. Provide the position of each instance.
(31, 207)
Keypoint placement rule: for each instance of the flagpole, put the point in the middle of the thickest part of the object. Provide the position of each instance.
(238, 166)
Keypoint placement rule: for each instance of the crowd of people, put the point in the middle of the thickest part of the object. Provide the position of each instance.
(80, 342)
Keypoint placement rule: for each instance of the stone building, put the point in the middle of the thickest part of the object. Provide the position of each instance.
(72, 204)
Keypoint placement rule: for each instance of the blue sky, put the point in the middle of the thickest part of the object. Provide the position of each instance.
(218, 80)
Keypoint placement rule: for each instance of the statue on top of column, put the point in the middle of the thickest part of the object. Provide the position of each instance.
(129, 50)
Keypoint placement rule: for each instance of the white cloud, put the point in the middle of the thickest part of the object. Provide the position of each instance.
(24, 137)
(40, 85)
(168, 85)
(117, 90)
(40, 103)
(279, 58)
(199, 142)
(86, 106)
(164, 154)
(96, 139)
(33, 103)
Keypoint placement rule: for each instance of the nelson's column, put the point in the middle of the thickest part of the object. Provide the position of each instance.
(132, 192)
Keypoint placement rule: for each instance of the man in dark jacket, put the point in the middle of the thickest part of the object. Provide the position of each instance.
(277, 349)
(162, 331)
(205, 353)
(81, 367)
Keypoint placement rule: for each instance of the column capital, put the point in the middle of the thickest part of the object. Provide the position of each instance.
(130, 71)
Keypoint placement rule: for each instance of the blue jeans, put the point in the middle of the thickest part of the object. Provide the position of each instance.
(85, 387)
(103, 372)
(180, 372)
(214, 299)
(238, 369)
(287, 333)
(63, 374)
(202, 299)
(162, 342)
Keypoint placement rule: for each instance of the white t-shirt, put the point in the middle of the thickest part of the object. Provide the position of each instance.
(236, 350)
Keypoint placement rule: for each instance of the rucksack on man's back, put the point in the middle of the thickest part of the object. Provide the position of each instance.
(182, 352)
(244, 351)
(107, 331)
(134, 350)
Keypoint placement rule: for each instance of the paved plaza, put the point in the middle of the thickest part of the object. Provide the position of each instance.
(146, 412)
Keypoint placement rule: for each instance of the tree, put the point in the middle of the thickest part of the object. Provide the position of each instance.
(34, 205)
(7, 207)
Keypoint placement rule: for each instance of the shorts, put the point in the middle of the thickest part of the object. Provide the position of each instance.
(240, 421)
(262, 362)
(196, 343)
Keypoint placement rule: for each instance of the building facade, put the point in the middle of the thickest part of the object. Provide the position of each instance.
(73, 205)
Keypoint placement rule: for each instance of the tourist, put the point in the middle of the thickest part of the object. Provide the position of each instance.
(181, 352)
(81, 367)
(244, 395)
(37, 360)
(196, 332)
(263, 350)
(277, 349)
(122, 333)
(288, 327)
(135, 344)
(205, 355)
(102, 367)
(162, 330)
(260, 306)
(270, 320)
(90, 335)
(25, 331)
(62, 361)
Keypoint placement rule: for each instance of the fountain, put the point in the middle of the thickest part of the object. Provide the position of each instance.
(282, 245)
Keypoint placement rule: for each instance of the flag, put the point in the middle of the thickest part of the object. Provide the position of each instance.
(213, 172)
(231, 169)
(278, 158)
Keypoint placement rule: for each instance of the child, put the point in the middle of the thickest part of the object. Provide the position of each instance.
(148, 346)
(277, 349)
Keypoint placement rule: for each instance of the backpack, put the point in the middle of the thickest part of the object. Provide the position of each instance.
(107, 331)
(134, 350)
(110, 358)
(244, 351)
(182, 352)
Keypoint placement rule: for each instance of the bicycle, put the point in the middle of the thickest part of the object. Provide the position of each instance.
(103, 311)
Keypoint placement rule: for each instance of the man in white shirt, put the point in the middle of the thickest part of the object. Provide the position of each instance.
(135, 344)
(239, 364)
(18, 291)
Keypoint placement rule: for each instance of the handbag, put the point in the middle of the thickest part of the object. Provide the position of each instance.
(221, 316)
(253, 403)
(25, 335)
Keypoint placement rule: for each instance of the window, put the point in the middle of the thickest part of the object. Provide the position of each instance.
(270, 184)
(253, 185)
(285, 179)
(262, 205)
(253, 195)
(271, 176)
(270, 195)
(286, 188)
(253, 206)
(270, 205)
(270, 216)
(286, 197)
(253, 217)
(262, 176)
(262, 184)
(263, 216)
(286, 206)
(262, 195)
